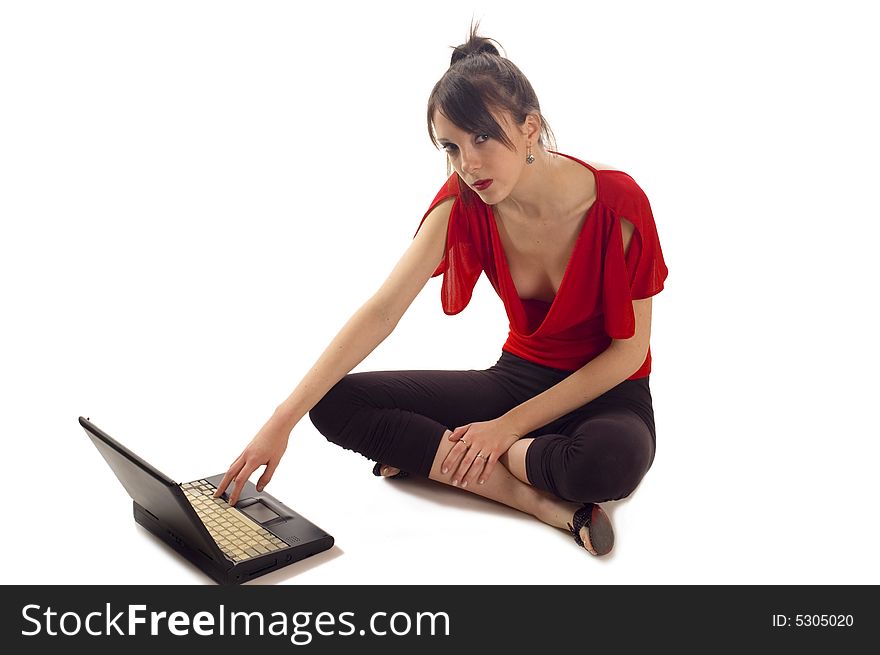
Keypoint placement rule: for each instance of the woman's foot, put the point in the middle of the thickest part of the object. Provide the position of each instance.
(592, 528)
(561, 514)
(388, 471)
(585, 537)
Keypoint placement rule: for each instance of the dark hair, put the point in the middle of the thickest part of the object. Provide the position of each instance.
(478, 81)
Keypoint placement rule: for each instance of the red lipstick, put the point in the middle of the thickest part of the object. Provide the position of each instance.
(482, 185)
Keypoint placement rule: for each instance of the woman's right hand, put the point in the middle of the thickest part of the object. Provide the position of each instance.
(265, 448)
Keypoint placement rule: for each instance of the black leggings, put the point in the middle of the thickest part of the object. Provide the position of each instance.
(596, 453)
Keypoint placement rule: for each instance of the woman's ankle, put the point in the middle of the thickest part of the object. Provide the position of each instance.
(555, 511)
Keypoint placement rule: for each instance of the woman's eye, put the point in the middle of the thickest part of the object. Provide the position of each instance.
(449, 147)
(482, 138)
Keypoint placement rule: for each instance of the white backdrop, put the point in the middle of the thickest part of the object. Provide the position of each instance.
(195, 196)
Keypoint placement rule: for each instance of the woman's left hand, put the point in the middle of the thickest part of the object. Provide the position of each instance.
(478, 447)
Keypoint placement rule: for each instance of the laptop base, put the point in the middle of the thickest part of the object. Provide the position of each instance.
(226, 573)
(199, 560)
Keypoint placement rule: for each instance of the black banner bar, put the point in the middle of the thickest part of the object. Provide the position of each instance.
(335, 619)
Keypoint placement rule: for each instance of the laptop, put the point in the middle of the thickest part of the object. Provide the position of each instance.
(230, 544)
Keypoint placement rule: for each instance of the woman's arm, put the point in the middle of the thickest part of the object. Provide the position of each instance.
(620, 360)
(491, 439)
(371, 324)
(365, 330)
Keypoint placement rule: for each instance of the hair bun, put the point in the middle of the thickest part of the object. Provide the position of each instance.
(475, 45)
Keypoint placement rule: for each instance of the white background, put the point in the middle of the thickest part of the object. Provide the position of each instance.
(195, 196)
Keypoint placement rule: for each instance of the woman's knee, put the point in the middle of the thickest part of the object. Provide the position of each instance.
(606, 466)
(334, 410)
(611, 476)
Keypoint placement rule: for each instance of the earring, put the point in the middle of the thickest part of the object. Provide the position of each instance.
(530, 158)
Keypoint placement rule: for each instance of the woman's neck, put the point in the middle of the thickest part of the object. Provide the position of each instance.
(540, 194)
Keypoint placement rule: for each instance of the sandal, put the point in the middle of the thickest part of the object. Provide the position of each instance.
(377, 471)
(598, 526)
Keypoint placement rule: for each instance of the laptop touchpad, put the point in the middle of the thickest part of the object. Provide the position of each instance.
(259, 512)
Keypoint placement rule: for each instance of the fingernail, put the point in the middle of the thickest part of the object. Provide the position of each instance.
(464, 484)
(259, 488)
(446, 470)
(482, 481)
(455, 483)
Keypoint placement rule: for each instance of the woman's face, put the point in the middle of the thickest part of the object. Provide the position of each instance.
(485, 164)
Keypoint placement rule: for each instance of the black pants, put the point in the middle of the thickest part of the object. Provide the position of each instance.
(596, 453)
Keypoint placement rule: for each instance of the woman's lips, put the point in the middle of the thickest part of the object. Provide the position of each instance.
(482, 185)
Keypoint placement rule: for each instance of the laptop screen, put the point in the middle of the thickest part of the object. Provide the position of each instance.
(154, 491)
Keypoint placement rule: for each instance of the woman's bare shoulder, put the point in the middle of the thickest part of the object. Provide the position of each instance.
(600, 166)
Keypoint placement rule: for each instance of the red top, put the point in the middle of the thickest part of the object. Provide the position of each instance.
(594, 300)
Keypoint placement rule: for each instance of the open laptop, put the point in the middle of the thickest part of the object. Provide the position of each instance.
(230, 544)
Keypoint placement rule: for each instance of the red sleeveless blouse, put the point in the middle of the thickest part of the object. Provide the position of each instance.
(594, 302)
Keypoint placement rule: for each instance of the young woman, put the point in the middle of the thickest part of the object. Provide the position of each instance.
(564, 420)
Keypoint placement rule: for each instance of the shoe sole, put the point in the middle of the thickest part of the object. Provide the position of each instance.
(601, 531)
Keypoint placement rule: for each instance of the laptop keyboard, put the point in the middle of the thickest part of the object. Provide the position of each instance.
(238, 536)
